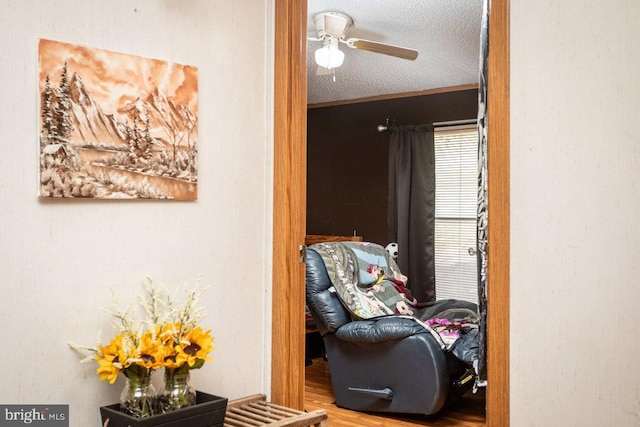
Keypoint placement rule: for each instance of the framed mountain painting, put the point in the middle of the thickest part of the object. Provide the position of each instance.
(116, 126)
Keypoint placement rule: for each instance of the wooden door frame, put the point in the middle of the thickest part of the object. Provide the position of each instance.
(289, 202)
(289, 214)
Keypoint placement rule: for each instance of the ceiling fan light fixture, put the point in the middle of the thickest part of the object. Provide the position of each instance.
(329, 56)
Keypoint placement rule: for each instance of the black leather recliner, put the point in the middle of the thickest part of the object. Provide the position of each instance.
(388, 364)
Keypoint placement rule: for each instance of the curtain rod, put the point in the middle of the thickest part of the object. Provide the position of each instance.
(385, 127)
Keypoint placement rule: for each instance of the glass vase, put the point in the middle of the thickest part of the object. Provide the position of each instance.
(138, 397)
(178, 392)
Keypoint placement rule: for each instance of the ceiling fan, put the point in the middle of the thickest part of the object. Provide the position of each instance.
(332, 28)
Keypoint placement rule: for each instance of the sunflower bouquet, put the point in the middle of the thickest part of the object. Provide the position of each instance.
(170, 338)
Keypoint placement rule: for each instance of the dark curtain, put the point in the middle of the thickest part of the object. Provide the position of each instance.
(412, 206)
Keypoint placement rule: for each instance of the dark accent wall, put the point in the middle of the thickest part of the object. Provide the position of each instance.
(347, 158)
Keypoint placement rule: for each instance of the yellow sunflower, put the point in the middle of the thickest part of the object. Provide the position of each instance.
(151, 350)
(196, 347)
(106, 368)
(110, 359)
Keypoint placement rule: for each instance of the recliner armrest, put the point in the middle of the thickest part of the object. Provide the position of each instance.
(379, 330)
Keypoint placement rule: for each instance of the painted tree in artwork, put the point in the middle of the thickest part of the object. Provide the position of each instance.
(176, 137)
(133, 135)
(49, 127)
(139, 140)
(146, 138)
(56, 110)
(191, 124)
(62, 109)
(59, 161)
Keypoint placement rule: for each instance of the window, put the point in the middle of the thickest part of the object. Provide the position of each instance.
(456, 158)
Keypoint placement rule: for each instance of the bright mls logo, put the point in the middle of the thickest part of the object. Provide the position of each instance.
(38, 415)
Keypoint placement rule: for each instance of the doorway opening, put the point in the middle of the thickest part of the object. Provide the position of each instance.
(287, 367)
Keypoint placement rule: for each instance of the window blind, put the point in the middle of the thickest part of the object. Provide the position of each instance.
(456, 163)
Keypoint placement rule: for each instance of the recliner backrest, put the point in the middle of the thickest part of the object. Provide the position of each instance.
(324, 304)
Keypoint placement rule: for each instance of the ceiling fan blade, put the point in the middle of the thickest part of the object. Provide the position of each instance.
(385, 49)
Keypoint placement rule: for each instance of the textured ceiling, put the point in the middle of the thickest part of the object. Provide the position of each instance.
(445, 32)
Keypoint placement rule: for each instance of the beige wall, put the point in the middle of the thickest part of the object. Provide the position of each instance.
(59, 259)
(575, 205)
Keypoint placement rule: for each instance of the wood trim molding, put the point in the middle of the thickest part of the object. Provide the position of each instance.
(289, 201)
(394, 96)
(498, 214)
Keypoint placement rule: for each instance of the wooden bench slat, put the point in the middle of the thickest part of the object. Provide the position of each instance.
(253, 411)
(243, 420)
(256, 415)
(275, 412)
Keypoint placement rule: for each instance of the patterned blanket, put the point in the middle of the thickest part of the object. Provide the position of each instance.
(366, 279)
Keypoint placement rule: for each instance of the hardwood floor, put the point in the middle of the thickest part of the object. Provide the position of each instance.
(469, 412)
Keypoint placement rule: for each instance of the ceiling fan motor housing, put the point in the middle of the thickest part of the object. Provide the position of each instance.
(332, 24)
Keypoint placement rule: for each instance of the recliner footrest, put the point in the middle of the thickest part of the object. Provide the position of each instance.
(386, 393)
